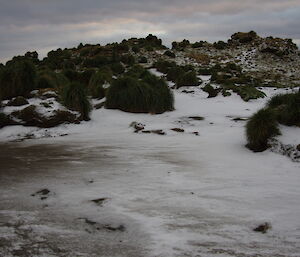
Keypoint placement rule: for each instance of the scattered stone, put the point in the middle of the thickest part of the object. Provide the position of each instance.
(90, 222)
(43, 193)
(99, 106)
(196, 117)
(196, 133)
(45, 104)
(137, 126)
(18, 101)
(97, 226)
(146, 131)
(239, 119)
(263, 228)
(100, 201)
(30, 117)
(178, 130)
(47, 93)
(111, 228)
(158, 132)
(291, 151)
(6, 120)
(188, 91)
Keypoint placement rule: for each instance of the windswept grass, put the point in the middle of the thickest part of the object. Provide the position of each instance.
(74, 97)
(260, 128)
(138, 91)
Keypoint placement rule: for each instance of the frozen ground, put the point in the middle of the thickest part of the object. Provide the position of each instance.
(160, 196)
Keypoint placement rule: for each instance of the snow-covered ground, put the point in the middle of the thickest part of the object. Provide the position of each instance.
(169, 195)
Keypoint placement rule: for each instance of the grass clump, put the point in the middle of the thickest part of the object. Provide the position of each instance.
(97, 82)
(188, 79)
(74, 97)
(17, 78)
(260, 128)
(138, 91)
(47, 78)
(287, 108)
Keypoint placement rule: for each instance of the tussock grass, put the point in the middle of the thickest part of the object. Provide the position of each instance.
(74, 97)
(138, 91)
(260, 128)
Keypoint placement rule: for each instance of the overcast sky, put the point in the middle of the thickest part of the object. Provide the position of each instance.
(43, 25)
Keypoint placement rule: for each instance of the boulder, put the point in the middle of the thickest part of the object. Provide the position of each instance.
(30, 117)
(59, 117)
(18, 101)
(6, 120)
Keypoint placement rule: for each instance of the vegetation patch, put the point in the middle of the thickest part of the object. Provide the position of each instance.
(74, 97)
(260, 128)
(138, 91)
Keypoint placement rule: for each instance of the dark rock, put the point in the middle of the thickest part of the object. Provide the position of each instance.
(196, 117)
(96, 225)
(100, 201)
(43, 193)
(99, 106)
(188, 91)
(46, 105)
(18, 101)
(212, 92)
(178, 130)
(158, 132)
(120, 228)
(195, 133)
(46, 93)
(298, 147)
(146, 131)
(239, 119)
(263, 228)
(137, 126)
(6, 120)
(90, 222)
(59, 117)
(29, 116)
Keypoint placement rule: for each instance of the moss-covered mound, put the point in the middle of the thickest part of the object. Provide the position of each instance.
(138, 91)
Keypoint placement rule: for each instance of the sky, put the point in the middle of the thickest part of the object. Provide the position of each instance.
(44, 25)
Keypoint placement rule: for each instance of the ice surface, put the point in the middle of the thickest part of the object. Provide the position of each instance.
(177, 195)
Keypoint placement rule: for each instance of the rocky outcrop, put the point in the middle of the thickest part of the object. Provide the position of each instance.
(30, 117)
(278, 46)
(18, 101)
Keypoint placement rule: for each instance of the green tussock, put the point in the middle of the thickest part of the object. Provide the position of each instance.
(96, 83)
(17, 78)
(286, 108)
(49, 79)
(74, 97)
(260, 128)
(138, 91)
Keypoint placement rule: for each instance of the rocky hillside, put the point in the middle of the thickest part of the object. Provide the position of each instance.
(242, 65)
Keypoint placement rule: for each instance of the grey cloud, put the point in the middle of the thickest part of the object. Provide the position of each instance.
(45, 24)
